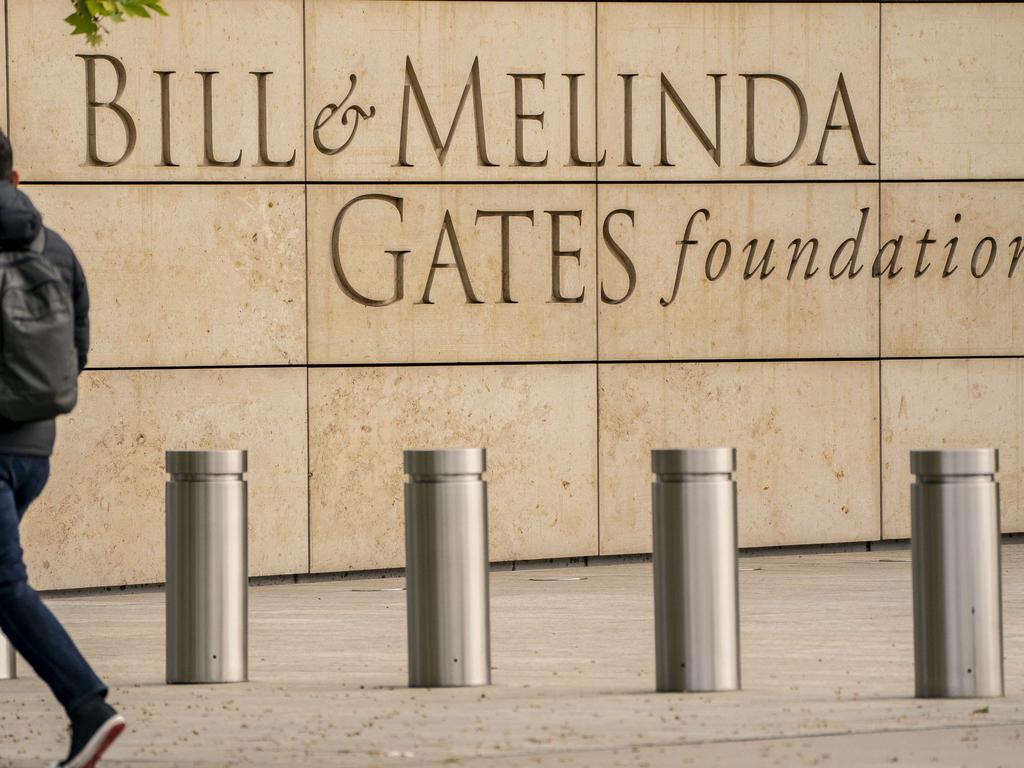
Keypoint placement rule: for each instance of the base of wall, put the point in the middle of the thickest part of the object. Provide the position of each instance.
(590, 561)
(895, 545)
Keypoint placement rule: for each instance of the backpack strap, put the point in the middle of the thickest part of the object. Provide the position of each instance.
(39, 243)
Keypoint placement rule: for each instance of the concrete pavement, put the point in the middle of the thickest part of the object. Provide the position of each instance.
(827, 672)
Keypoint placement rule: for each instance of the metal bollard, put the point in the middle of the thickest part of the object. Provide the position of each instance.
(447, 568)
(8, 660)
(207, 567)
(696, 601)
(958, 626)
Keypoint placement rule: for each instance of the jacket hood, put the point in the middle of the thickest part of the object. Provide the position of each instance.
(20, 222)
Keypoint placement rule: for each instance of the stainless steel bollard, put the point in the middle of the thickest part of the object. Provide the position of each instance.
(958, 625)
(8, 660)
(696, 601)
(447, 568)
(207, 567)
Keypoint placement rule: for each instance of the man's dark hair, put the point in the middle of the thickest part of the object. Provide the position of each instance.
(6, 158)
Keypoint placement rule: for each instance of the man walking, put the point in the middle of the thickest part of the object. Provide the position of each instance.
(44, 339)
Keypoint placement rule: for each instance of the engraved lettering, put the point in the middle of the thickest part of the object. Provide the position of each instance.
(574, 126)
(711, 259)
(949, 268)
(851, 266)
(398, 256)
(713, 148)
(801, 103)
(620, 255)
(627, 121)
(412, 87)
(1018, 246)
(209, 157)
(920, 268)
(522, 116)
(506, 247)
(264, 152)
(331, 110)
(448, 231)
(752, 269)
(990, 241)
(890, 269)
(858, 142)
(799, 247)
(92, 103)
(558, 253)
(165, 118)
(683, 245)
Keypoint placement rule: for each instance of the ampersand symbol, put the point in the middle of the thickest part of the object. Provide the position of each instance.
(331, 110)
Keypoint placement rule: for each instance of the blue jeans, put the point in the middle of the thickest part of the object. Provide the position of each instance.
(27, 623)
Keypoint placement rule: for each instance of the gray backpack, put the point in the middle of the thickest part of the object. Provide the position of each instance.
(38, 359)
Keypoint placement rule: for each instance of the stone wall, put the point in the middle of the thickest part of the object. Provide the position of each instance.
(291, 250)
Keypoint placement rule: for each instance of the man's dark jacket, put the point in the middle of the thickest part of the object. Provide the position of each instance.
(20, 224)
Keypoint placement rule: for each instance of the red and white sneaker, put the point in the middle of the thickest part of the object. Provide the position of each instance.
(94, 728)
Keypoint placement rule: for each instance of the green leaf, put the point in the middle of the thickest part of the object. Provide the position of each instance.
(89, 14)
(81, 23)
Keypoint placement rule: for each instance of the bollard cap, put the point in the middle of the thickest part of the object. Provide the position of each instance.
(693, 461)
(961, 461)
(229, 462)
(446, 461)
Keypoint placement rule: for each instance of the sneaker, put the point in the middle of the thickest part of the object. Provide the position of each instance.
(94, 727)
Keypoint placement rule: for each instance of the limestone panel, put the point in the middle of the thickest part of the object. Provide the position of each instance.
(806, 436)
(723, 305)
(445, 315)
(779, 63)
(537, 422)
(950, 90)
(187, 274)
(175, 136)
(3, 70)
(929, 404)
(444, 75)
(962, 293)
(101, 519)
